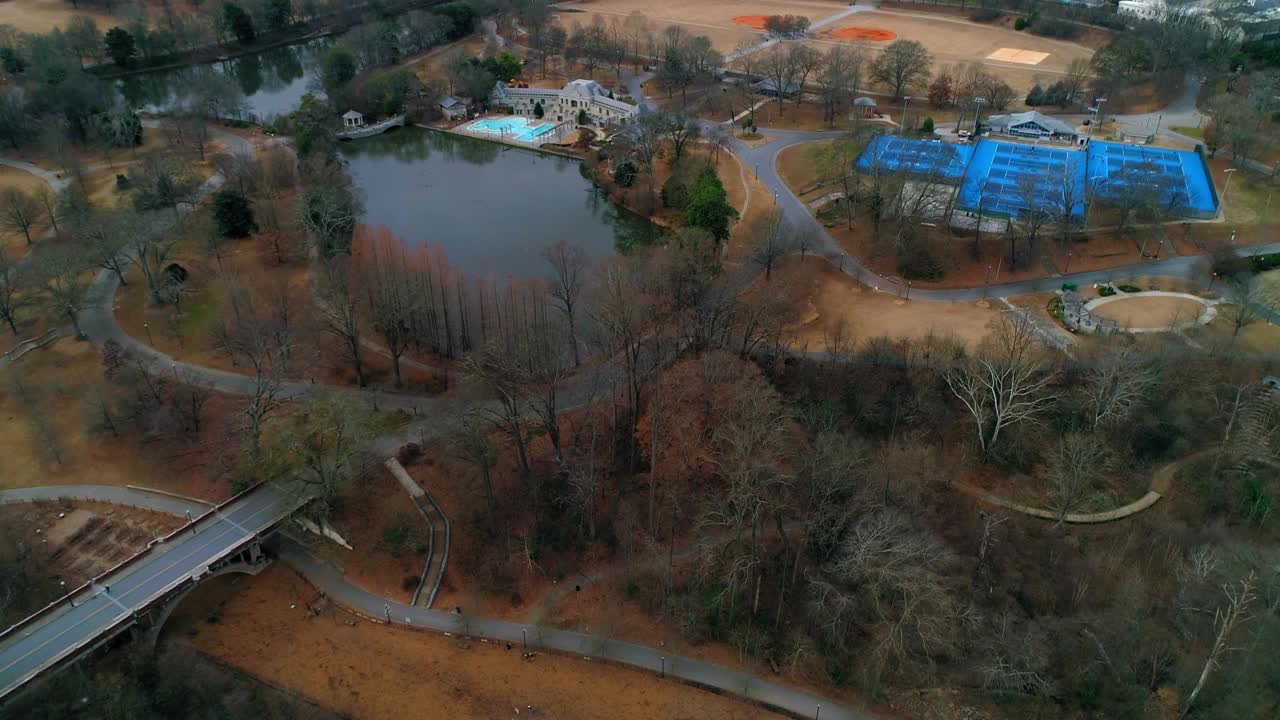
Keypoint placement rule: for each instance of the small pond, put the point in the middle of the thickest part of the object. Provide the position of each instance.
(272, 81)
(492, 209)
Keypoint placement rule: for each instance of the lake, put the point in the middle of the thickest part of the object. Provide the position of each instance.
(272, 81)
(490, 207)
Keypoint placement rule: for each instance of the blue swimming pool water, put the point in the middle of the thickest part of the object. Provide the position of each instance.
(512, 128)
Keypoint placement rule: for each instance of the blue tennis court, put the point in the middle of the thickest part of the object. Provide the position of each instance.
(920, 157)
(1176, 178)
(1010, 179)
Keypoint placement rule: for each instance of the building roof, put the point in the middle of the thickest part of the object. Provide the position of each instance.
(585, 88)
(449, 101)
(771, 85)
(351, 115)
(1051, 124)
(865, 102)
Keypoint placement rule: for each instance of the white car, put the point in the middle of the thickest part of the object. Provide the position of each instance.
(963, 133)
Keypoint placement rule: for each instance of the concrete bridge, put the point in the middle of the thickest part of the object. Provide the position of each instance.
(139, 594)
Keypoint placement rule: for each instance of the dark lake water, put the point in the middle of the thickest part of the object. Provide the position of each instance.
(273, 81)
(491, 208)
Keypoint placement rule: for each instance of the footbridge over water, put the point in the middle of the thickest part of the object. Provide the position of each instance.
(139, 593)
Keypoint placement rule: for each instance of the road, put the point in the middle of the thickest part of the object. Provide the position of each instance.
(94, 612)
(99, 612)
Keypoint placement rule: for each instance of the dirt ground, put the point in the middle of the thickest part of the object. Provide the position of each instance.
(14, 244)
(387, 534)
(825, 299)
(39, 16)
(954, 40)
(79, 540)
(53, 445)
(265, 626)
(1141, 313)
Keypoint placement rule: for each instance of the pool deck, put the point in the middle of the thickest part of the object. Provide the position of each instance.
(553, 135)
(489, 137)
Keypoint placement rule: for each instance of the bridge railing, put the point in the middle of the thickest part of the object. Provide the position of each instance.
(122, 564)
(127, 617)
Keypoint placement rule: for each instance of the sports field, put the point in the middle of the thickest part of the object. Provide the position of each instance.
(1008, 178)
(1019, 58)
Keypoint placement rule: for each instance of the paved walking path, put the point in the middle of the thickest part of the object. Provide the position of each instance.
(374, 607)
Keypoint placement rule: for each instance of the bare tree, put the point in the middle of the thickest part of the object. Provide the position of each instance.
(17, 288)
(469, 441)
(902, 64)
(503, 376)
(774, 240)
(806, 61)
(1225, 621)
(568, 280)
(778, 65)
(1005, 383)
(149, 251)
(263, 338)
(1246, 297)
(1079, 459)
(68, 290)
(1116, 387)
(19, 212)
(340, 310)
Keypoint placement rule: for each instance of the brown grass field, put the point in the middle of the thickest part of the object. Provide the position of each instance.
(952, 40)
(40, 16)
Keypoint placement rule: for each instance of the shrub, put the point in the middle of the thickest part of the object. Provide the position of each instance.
(1070, 287)
(538, 112)
(983, 15)
(1263, 263)
(1128, 288)
(1106, 291)
(1020, 24)
(1153, 442)
(625, 173)
(927, 126)
(233, 214)
(1035, 96)
(1055, 307)
(675, 193)
(1056, 28)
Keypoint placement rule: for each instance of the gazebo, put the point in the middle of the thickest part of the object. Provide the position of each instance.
(352, 119)
(866, 107)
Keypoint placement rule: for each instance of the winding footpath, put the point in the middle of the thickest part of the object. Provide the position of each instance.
(100, 325)
(375, 608)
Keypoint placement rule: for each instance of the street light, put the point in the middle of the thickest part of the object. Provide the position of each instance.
(978, 102)
(1088, 207)
(902, 125)
(1229, 172)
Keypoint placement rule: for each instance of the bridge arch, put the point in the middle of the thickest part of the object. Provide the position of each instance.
(159, 616)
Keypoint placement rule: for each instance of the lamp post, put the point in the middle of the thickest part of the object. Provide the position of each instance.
(1225, 188)
(978, 102)
(1096, 108)
(147, 327)
(902, 125)
(1092, 188)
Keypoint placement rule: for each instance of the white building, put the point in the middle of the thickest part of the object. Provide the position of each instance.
(563, 105)
(1031, 124)
(1144, 9)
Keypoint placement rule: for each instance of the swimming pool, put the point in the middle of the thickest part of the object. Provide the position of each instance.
(511, 128)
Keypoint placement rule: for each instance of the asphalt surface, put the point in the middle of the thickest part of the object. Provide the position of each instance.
(82, 619)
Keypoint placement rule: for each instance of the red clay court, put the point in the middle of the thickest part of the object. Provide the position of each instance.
(860, 33)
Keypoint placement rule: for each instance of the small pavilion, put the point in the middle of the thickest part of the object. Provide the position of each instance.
(352, 119)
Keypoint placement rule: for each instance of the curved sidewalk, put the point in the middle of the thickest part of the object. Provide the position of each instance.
(374, 607)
